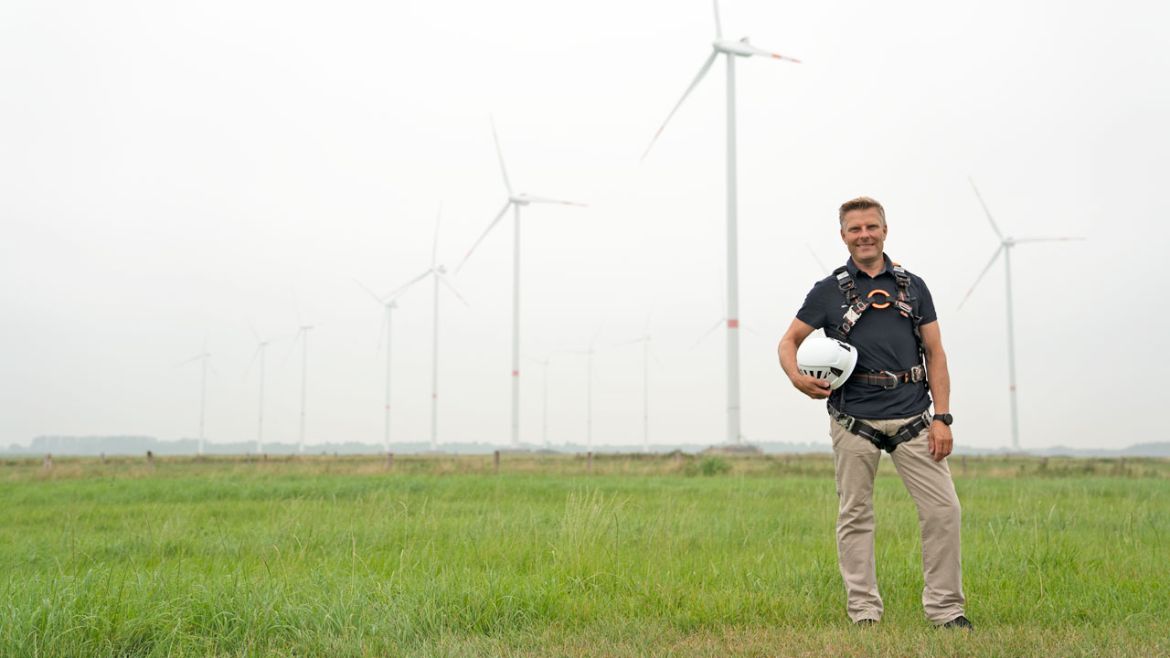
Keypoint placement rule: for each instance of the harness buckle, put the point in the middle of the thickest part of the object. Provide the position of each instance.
(917, 374)
(844, 420)
(894, 380)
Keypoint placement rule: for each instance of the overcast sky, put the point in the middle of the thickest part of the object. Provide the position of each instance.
(172, 173)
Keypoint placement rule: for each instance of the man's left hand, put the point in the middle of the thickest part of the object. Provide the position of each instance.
(940, 440)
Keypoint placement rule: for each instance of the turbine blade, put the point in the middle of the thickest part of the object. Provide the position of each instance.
(628, 342)
(718, 323)
(450, 286)
(718, 23)
(596, 335)
(702, 72)
(435, 243)
(817, 259)
(253, 362)
(292, 348)
(369, 292)
(500, 154)
(991, 262)
(194, 358)
(499, 216)
(544, 199)
(985, 210)
(404, 287)
(382, 330)
(767, 53)
(1054, 239)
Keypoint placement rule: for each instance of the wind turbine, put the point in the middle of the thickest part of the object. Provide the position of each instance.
(438, 274)
(544, 399)
(261, 349)
(303, 336)
(1005, 247)
(731, 49)
(388, 304)
(589, 352)
(515, 202)
(203, 356)
(645, 342)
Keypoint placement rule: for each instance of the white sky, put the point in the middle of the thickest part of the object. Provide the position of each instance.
(175, 171)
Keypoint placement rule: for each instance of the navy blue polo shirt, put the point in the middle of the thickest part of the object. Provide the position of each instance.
(884, 339)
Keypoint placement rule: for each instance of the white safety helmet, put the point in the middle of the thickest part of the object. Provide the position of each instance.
(826, 358)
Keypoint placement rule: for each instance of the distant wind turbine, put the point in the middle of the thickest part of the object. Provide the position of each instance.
(389, 305)
(544, 399)
(303, 336)
(203, 356)
(1005, 247)
(731, 49)
(261, 349)
(438, 274)
(515, 202)
(589, 352)
(645, 342)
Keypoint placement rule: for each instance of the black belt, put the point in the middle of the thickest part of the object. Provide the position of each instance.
(887, 442)
(888, 379)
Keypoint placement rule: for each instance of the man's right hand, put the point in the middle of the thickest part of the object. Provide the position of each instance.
(817, 389)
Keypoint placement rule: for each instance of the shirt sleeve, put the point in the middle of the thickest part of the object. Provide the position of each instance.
(925, 304)
(812, 312)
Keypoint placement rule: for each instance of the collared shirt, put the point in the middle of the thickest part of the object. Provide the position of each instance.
(884, 339)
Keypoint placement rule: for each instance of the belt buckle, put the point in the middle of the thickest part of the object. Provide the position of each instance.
(893, 380)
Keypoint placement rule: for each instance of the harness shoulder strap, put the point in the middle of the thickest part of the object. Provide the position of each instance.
(904, 306)
(857, 305)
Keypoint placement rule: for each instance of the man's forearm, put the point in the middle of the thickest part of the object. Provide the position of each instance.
(940, 382)
(787, 352)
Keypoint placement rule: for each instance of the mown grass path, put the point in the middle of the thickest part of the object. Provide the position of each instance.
(642, 557)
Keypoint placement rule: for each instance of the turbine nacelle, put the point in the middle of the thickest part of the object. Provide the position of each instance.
(744, 48)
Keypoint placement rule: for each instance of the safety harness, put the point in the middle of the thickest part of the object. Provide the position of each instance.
(887, 442)
(886, 379)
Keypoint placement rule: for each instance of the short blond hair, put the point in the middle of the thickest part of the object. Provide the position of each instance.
(861, 203)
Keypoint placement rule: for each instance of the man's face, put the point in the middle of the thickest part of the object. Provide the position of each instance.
(864, 233)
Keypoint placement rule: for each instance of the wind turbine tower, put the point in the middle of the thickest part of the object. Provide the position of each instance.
(303, 334)
(203, 356)
(261, 349)
(730, 49)
(389, 305)
(1006, 243)
(515, 202)
(438, 275)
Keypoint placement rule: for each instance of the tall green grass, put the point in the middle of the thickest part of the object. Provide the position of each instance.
(662, 556)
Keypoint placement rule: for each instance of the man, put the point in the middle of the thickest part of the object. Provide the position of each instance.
(888, 315)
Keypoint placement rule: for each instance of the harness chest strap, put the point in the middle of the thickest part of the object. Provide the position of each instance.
(858, 306)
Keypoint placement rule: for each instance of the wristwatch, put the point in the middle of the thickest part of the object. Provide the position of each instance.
(946, 419)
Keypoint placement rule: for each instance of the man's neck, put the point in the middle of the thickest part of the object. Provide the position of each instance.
(872, 267)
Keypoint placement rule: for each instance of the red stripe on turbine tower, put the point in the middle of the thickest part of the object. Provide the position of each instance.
(733, 323)
(515, 373)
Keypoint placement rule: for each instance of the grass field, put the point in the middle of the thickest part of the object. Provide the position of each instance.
(678, 555)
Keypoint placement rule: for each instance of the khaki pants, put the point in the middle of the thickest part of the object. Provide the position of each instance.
(929, 483)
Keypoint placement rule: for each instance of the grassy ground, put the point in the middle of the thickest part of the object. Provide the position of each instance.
(641, 556)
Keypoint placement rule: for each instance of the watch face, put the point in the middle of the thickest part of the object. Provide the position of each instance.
(946, 419)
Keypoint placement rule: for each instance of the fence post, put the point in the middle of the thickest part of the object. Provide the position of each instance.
(496, 461)
(48, 463)
(389, 460)
(589, 462)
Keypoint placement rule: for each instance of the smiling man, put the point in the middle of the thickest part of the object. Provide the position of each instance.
(887, 314)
